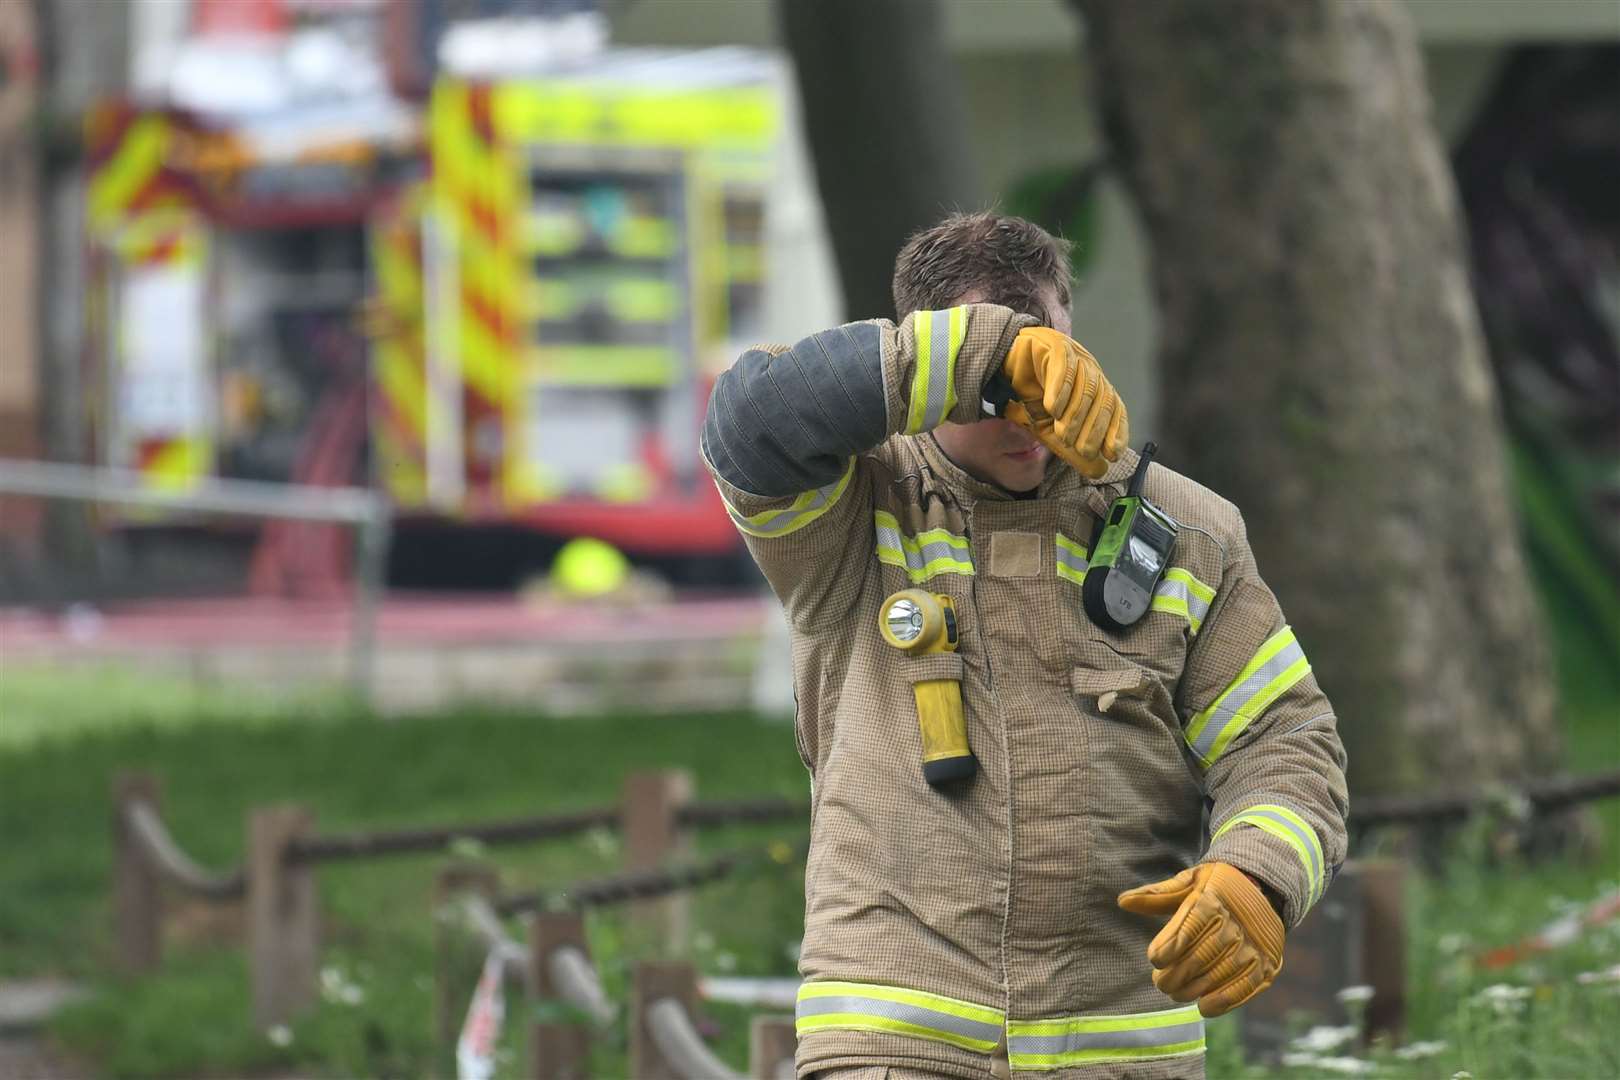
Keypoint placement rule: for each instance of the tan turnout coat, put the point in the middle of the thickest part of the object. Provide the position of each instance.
(943, 929)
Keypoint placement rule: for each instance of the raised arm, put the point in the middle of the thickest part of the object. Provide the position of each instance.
(786, 428)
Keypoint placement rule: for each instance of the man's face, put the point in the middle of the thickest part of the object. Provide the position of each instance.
(999, 451)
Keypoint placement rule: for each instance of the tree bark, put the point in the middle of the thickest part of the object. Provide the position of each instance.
(1323, 364)
(883, 111)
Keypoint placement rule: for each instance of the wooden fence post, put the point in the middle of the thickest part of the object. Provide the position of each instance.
(137, 890)
(1383, 883)
(283, 946)
(652, 835)
(450, 988)
(771, 1041)
(1354, 936)
(560, 1047)
(654, 982)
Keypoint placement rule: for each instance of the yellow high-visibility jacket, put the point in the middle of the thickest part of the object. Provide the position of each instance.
(946, 926)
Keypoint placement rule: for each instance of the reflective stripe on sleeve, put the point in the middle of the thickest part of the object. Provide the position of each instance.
(939, 337)
(1293, 830)
(848, 1006)
(1085, 1040)
(1278, 665)
(935, 551)
(796, 515)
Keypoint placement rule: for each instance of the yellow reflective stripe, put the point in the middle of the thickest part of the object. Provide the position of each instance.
(1080, 1040)
(921, 327)
(939, 337)
(1278, 665)
(1194, 586)
(1179, 593)
(1029, 1062)
(1182, 594)
(848, 1006)
(1293, 830)
(936, 551)
(1072, 560)
(796, 515)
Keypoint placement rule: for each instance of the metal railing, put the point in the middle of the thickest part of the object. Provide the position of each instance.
(369, 511)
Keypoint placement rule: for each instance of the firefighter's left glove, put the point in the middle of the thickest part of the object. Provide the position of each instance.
(1061, 396)
(1223, 943)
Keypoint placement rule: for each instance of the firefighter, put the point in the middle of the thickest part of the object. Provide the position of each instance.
(1151, 805)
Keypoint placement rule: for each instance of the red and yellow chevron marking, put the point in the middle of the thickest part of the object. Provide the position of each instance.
(130, 171)
(158, 238)
(399, 420)
(173, 463)
(479, 194)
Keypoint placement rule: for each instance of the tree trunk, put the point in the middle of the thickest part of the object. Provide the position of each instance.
(885, 120)
(1323, 365)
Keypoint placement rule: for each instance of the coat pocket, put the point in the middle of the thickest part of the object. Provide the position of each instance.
(1145, 798)
(1135, 698)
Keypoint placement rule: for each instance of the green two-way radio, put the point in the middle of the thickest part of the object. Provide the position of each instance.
(1129, 556)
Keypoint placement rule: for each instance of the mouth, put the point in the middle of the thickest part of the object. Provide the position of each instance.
(1029, 453)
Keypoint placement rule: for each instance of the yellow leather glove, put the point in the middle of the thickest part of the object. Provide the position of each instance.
(1223, 943)
(1060, 394)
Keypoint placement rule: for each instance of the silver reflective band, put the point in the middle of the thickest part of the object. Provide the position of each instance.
(899, 1011)
(801, 512)
(1239, 698)
(1175, 589)
(1074, 1041)
(1288, 826)
(938, 336)
(845, 1006)
(932, 552)
(1071, 559)
(941, 370)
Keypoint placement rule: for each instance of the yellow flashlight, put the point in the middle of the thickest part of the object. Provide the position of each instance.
(919, 622)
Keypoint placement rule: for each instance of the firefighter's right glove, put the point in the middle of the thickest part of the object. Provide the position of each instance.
(1223, 943)
(1060, 394)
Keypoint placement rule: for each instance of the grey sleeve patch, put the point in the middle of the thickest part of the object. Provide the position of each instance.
(786, 424)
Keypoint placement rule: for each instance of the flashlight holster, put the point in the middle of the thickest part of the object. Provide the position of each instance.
(931, 640)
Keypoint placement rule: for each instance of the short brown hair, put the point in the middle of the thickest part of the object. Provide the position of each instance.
(1008, 259)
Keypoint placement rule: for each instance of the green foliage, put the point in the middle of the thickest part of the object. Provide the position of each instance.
(1062, 199)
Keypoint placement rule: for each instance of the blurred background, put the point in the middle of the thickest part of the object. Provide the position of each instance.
(352, 360)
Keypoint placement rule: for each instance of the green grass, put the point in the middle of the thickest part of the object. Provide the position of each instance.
(354, 771)
(191, 1017)
(41, 703)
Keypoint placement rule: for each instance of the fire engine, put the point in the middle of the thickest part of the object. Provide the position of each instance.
(503, 304)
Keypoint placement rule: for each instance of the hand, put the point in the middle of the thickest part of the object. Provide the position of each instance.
(1223, 943)
(1060, 394)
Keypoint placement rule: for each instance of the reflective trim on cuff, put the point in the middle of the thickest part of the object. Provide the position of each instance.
(938, 335)
(1293, 830)
(1086, 1040)
(848, 1006)
(796, 515)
